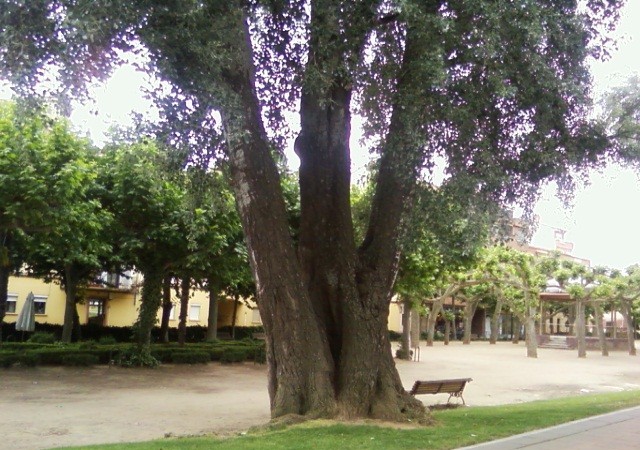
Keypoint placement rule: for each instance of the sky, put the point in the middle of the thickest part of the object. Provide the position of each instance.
(602, 220)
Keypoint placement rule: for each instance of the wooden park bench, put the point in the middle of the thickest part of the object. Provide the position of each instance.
(452, 387)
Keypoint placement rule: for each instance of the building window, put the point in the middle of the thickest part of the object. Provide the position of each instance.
(40, 304)
(194, 312)
(255, 316)
(12, 300)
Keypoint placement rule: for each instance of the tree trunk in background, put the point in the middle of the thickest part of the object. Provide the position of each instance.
(4, 288)
(602, 337)
(447, 331)
(469, 311)
(70, 288)
(531, 339)
(212, 320)
(515, 332)
(495, 325)
(405, 344)
(628, 317)
(166, 309)
(149, 305)
(185, 292)
(77, 327)
(234, 316)
(580, 329)
(435, 309)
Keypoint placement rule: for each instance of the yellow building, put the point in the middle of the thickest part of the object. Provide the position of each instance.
(109, 306)
(115, 306)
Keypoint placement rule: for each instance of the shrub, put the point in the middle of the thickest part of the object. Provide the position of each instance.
(133, 357)
(231, 355)
(216, 353)
(260, 354)
(190, 357)
(107, 340)
(79, 359)
(87, 345)
(8, 359)
(29, 359)
(42, 338)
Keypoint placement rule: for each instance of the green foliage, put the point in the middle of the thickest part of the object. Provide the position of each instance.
(79, 360)
(232, 355)
(107, 340)
(190, 357)
(42, 338)
(7, 359)
(136, 357)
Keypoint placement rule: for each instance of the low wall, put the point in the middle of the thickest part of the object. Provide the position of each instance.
(593, 343)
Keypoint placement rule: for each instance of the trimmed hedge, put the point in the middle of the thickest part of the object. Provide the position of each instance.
(79, 359)
(88, 353)
(190, 357)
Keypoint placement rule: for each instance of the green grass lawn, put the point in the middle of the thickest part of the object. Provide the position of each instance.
(454, 428)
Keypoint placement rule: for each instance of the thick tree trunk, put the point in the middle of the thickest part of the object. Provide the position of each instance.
(495, 326)
(405, 341)
(435, 309)
(580, 329)
(325, 306)
(185, 292)
(149, 305)
(70, 288)
(212, 320)
(602, 337)
(628, 317)
(166, 309)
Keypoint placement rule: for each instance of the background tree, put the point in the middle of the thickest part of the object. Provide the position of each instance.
(148, 209)
(23, 188)
(626, 292)
(499, 89)
(75, 242)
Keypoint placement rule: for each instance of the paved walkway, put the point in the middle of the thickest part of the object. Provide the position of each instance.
(614, 431)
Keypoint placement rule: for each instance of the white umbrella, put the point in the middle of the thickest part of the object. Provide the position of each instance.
(27, 317)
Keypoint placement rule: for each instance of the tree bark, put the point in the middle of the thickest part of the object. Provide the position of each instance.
(149, 304)
(531, 339)
(185, 292)
(405, 344)
(234, 316)
(628, 317)
(70, 288)
(435, 309)
(212, 320)
(447, 331)
(495, 318)
(166, 309)
(5, 271)
(580, 329)
(328, 295)
(469, 311)
(602, 337)
(515, 331)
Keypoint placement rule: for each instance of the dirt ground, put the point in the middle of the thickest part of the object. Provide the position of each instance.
(48, 407)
